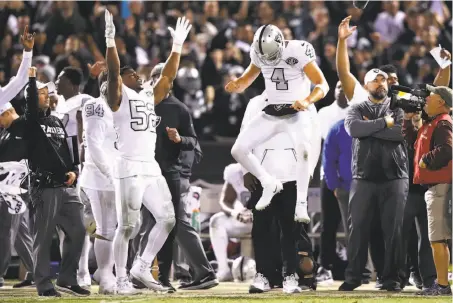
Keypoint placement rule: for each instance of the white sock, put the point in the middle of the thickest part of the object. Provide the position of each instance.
(84, 257)
(103, 249)
(302, 175)
(156, 239)
(61, 236)
(120, 248)
(251, 163)
(219, 241)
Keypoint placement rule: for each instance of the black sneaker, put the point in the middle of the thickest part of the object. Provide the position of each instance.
(416, 280)
(24, 283)
(391, 286)
(167, 284)
(207, 282)
(74, 290)
(348, 286)
(49, 293)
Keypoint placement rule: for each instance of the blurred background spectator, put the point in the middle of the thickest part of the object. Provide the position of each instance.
(71, 33)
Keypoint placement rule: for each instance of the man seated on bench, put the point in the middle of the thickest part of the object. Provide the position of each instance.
(234, 221)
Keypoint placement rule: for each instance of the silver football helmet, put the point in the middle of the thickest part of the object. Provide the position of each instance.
(268, 44)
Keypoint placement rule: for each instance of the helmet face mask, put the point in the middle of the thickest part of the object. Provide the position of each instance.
(268, 44)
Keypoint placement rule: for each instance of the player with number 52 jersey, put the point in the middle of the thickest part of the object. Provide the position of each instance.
(289, 68)
(138, 178)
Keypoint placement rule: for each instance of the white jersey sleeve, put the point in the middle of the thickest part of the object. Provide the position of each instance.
(360, 94)
(304, 51)
(95, 133)
(254, 58)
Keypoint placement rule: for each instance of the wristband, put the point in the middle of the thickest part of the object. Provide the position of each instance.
(177, 48)
(110, 42)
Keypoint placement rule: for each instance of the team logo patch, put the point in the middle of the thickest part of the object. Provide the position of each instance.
(279, 107)
(291, 61)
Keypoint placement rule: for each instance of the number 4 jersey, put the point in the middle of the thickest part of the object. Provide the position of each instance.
(135, 124)
(286, 81)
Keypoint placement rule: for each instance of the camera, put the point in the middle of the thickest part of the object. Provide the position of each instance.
(414, 103)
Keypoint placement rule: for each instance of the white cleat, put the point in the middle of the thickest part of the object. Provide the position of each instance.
(124, 287)
(225, 276)
(301, 213)
(107, 289)
(84, 280)
(260, 284)
(141, 270)
(291, 285)
(269, 191)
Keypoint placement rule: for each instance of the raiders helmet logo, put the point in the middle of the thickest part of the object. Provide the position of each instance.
(291, 61)
(278, 39)
(278, 107)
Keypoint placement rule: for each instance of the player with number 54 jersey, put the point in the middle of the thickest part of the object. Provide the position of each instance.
(289, 68)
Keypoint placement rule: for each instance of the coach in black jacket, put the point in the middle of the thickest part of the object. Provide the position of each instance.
(175, 134)
(52, 188)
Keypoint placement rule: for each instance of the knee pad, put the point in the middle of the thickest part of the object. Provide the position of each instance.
(107, 233)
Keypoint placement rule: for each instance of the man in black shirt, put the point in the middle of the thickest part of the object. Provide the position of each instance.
(175, 134)
(379, 170)
(52, 188)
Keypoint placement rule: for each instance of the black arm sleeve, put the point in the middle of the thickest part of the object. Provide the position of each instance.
(187, 131)
(32, 109)
(92, 88)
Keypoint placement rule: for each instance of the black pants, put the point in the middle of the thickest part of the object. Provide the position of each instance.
(366, 198)
(331, 218)
(281, 208)
(186, 237)
(416, 209)
(57, 207)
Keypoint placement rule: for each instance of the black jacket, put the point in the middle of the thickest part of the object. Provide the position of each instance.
(48, 152)
(173, 114)
(378, 153)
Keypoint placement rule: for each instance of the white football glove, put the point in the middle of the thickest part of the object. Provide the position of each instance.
(179, 34)
(109, 29)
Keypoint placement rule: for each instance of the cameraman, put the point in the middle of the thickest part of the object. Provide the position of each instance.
(53, 194)
(433, 169)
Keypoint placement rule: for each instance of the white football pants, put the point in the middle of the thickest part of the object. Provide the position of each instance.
(222, 228)
(104, 212)
(262, 127)
(131, 193)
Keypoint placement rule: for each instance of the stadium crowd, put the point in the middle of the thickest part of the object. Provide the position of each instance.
(70, 33)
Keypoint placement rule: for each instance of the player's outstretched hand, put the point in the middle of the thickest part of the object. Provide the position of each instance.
(109, 26)
(300, 105)
(233, 87)
(96, 69)
(28, 40)
(344, 31)
(182, 29)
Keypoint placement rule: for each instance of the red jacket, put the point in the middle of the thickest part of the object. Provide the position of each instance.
(422, 147)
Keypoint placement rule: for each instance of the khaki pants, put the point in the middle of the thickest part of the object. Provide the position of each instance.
(436, 198)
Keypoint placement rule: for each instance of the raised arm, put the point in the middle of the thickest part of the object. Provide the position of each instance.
(165, 82)
(243, 82)
(114, 81)
(348, 81)
(443, 76)
(10, 91)
(32, 100)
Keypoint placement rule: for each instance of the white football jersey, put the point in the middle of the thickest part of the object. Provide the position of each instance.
(69, 109)
(233, 175)
(135, 123)
(100, 151)
(286, 82)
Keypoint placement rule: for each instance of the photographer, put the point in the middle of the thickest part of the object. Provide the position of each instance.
(433, 169)
(52, 187)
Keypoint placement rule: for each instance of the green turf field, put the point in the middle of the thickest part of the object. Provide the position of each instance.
(233, 292)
